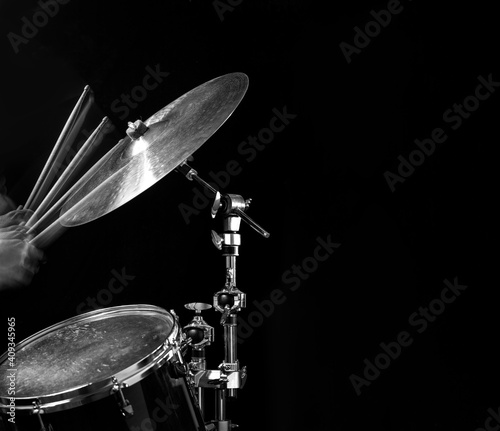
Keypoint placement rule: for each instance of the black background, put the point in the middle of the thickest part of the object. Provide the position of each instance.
(321, 177)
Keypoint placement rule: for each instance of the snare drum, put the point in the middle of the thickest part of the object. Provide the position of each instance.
(117, 369)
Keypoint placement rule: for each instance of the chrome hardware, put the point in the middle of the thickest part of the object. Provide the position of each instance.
(216, 205)
(38, 411)
(233, 298)
(228, 378)
(225, 314)
(125, 406)
(217, 240)
(137, 129)
(200, 332)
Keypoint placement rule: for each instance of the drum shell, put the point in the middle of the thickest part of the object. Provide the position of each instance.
(154, 381)
(162, 401)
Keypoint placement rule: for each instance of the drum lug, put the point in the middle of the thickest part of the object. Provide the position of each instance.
(37, 410)
(125, 406)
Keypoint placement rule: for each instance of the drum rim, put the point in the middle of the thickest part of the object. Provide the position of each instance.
(93, 391)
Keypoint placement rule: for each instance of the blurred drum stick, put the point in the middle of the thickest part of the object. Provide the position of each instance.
(48, 235)
(43, 237)
(38, 228)
(71, 171)
(64, 141)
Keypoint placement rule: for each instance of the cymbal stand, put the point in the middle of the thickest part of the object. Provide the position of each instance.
(201, 335)
(228, 301)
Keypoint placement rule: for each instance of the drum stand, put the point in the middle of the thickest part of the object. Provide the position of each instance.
(229, 377)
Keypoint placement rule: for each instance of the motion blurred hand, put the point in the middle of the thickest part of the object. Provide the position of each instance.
(15, 218)
(6, 203)
(19, 260)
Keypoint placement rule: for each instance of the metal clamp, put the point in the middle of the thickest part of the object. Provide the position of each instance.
(220, 379)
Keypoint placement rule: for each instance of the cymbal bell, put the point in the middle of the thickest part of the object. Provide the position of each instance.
(173, 134)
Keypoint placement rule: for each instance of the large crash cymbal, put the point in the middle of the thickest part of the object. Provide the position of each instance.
(174, 133)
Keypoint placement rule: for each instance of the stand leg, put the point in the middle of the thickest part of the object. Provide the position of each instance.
(201, 402)
(220, 408)
(230, 341)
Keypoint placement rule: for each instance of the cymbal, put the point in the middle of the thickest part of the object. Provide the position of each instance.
(136, 163)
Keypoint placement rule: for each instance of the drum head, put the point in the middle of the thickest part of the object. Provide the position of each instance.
(81, 355)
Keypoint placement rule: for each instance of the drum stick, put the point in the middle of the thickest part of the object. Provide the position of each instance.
(49, 235)
(38, 226)
(69, 173)
(52, 232)
(51, 166)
